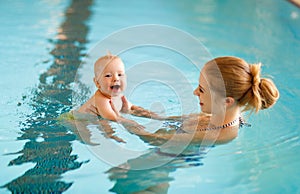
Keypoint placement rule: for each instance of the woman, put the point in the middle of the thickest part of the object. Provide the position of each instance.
(227, 87)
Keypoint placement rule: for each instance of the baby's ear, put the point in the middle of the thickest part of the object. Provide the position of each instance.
(96, 83)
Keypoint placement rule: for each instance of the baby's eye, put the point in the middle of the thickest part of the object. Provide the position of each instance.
(121, 74)
(108, 75)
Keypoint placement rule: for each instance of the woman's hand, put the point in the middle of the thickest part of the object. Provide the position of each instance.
(132, 126)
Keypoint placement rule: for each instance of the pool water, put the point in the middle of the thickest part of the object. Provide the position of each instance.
(43, 48)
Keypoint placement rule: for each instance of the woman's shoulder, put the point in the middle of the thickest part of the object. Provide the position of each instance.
(201, 116)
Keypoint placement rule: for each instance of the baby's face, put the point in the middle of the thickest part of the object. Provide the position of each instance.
(112, 80)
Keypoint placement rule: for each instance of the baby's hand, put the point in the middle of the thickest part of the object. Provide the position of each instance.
(125, 105)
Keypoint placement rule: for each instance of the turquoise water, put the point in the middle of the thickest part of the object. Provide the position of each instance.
(42, 46)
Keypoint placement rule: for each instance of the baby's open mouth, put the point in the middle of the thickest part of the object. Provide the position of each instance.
(115, 87)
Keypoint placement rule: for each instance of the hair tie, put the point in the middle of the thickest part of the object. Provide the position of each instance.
(256, 80)
(255, 69)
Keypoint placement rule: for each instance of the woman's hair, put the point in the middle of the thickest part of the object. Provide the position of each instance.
(242, 82)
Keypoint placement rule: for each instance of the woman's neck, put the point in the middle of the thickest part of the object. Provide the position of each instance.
(232, 114)
(228, 116)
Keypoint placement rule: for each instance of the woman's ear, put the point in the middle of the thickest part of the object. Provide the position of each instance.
(229, 101)
(96, 83)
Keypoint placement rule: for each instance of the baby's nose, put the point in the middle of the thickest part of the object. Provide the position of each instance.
(116, 78)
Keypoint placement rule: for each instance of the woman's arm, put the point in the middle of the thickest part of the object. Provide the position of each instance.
(141, 112)
(138, 111)
(188, 134)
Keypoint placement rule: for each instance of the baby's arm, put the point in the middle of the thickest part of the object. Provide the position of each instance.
(126, 105)
(106, 109)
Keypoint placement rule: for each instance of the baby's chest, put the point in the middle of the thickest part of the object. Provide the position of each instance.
(117, 103)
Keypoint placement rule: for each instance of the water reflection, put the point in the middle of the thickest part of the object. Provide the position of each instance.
(147, 173)
(153, 180)
(49, 143)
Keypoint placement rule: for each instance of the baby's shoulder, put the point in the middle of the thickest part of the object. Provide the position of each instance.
(100, 99)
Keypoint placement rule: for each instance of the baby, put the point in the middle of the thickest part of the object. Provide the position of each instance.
(108, 101)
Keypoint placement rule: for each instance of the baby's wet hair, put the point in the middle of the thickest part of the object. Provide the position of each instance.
(103, 61)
